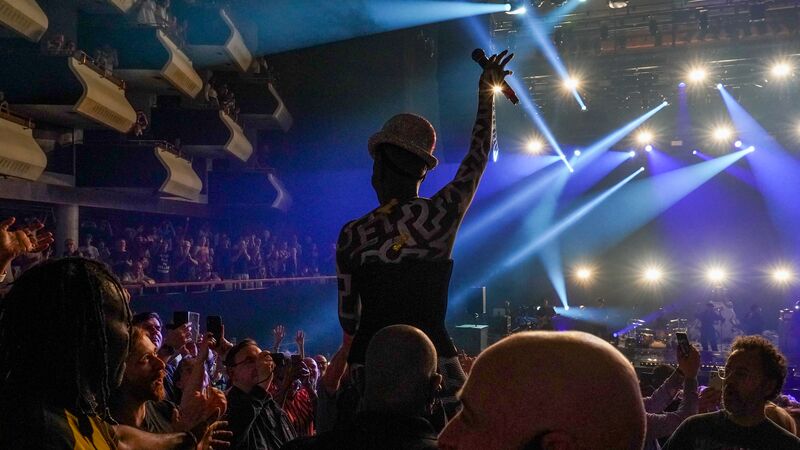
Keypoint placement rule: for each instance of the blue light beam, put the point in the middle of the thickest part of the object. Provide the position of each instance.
(562, 225)
(295, 24)
(550, 53)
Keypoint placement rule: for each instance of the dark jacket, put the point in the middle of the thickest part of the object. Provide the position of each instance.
(256, 421)
(374, 430)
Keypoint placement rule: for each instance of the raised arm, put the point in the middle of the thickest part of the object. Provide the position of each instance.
(460, 192)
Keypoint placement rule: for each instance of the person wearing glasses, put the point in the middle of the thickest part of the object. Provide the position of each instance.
(754, 374)
(257, 422)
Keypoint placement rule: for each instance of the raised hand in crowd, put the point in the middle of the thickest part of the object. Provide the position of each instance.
(22, 240)
(279, 333)
(300, 339)
(221, 348)
(689, 365)
(175, 341)
(215, 437)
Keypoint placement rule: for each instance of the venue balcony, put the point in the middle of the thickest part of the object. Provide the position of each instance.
(261, 107)
(136, 166)
(207, 132)
(65, 88)
(25, 17)
(20, 154)
(149, 58)
(218, 42)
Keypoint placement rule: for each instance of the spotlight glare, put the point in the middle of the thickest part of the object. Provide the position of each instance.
(571, 83)
(737, 144)
(781, 70)
(497, 89)
(644, 137)
(694, 152)
(652, 275)
(577, 152)
(632, 154)
(583, 273)
(722, 133)
(648, 148)
(535, 146)
(719, 86)
(681, 84)
(516, 7)
(750, 149)
(716, 275)
(782, 275)
(697, 75)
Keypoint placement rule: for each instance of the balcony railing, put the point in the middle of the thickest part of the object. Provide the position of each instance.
(225, 285)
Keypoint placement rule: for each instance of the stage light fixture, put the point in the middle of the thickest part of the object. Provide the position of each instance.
(617, 4)
(572, 83)
(583, 273)
(644, 137)
(737, 144)
(722, 133)
(697, 75)
(535, 146)
(782, 275)
(681, 85)
(652, 275)
(516, 7)
(648, 148)
(716, 275)
(781, 69)
(631, 154)
(577, 152)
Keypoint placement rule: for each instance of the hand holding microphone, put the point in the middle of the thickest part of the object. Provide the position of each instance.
(494, 69)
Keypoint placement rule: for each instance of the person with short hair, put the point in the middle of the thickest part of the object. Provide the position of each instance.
(549, 390)
(399, 390)
(257, 422)
(754, 374)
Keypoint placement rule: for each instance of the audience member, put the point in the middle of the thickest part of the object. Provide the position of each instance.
(257, 422)
(549, 390)
(14, 244)
(87, 249)
(661, 424)
(136, 275)
(55, 384)
(70, 249)
(400, 387)
(754, 374)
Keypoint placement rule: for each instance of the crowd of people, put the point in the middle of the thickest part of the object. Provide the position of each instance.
(79, 369)
(165, 253)
(99, 376)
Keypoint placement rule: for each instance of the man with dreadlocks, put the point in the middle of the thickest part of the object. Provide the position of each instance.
(64, 337)
(394, 263)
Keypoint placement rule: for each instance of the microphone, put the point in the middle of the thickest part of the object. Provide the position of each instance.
(479, 56)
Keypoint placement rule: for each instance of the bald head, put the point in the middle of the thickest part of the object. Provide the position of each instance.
(400, 369)
(563, 389)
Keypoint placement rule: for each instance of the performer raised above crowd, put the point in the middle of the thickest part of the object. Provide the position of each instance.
(394, 263)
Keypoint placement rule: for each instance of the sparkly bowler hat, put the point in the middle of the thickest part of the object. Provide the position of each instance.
(410, 132)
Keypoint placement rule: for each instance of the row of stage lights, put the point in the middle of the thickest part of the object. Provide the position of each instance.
(716, 275)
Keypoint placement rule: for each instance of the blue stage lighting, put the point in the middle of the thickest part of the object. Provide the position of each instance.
(516, 7)
(681, 85)
(577, 152)
(495, 153)
(648, 148)
(632, 154)
(737, 144)
(750, 149)
(719, 85)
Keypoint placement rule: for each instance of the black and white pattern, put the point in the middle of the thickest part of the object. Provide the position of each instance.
(419, 228)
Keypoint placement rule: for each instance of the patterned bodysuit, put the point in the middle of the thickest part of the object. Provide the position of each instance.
(394, 263)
